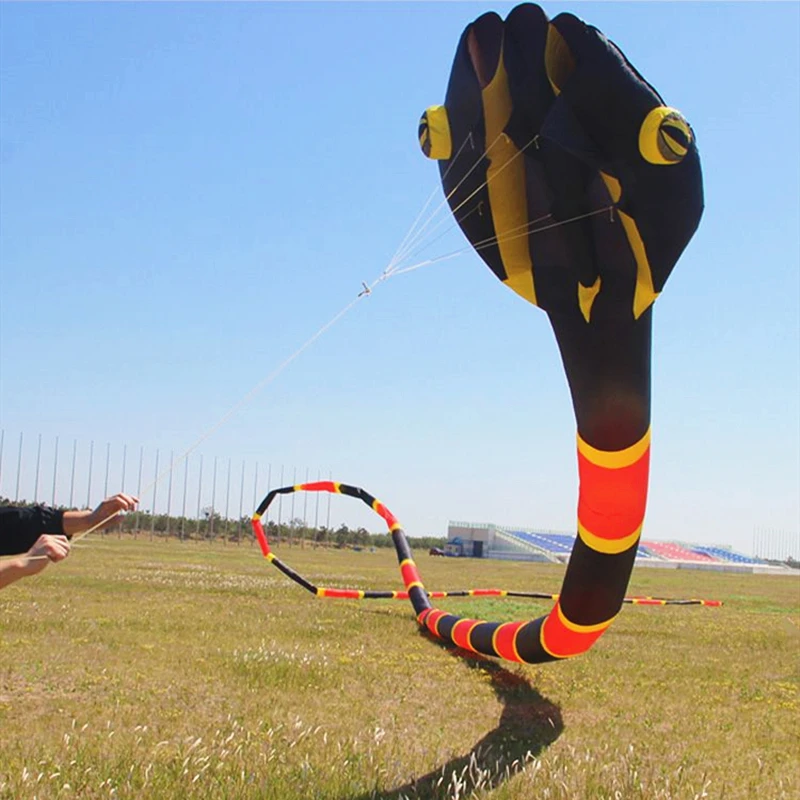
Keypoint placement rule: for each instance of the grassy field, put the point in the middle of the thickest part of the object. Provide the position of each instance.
(166, 670)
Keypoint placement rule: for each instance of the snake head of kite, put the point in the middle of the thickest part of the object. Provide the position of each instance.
(366, 291)
(595, 136)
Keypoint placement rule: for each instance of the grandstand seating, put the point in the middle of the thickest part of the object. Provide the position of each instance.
(674, 552)
(721, 554)
(547, 541)
(643, 552)
(561, 544)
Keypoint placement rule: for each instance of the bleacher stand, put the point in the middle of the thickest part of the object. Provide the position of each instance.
(674, 552)
(552, 542)
(721, 554)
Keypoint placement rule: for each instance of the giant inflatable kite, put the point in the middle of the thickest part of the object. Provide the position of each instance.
(579, 187)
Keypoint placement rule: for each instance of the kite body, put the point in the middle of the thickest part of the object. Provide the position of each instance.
(580, 188)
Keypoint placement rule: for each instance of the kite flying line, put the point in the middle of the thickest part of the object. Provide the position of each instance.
(409, 245)
(512, 641)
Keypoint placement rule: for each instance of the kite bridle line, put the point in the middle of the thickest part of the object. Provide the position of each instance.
(506, 640)
(404, 251)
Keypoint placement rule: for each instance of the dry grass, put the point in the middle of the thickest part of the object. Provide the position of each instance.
(161, 670)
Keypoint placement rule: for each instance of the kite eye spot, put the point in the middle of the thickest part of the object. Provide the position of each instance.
(434, 134)
(665, 136)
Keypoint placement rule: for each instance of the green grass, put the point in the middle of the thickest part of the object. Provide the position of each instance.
(142, 669)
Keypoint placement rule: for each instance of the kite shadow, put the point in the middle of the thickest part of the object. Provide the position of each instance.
(528, 724)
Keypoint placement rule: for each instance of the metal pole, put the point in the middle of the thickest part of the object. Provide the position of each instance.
(122, 485)
(199, 491)
(316, 513)
(305, 508)
(89, 482)
(36, 474)
(291, 517)
(19, 466)
(155, 487)
(139, 486)
(241, 507)
(328, 526)
(72, 474)
(213, 500)
(227, 501)
(185, 484)
(55, 471)
(169, 486)
(108, 461)
(269, 486)
(105, 480)
(255, 498)
(280, 505)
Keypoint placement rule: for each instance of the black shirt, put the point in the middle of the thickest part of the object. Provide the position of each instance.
(21, 527)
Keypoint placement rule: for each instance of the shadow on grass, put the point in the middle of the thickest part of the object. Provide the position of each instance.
(528, 724)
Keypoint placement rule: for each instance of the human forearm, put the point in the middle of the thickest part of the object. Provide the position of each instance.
(45, 550)
(75, 522)
(13, 570)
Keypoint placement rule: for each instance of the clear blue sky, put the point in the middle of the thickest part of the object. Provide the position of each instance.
(189, 192)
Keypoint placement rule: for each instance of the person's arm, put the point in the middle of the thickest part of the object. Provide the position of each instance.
(75, 522)
(21, 527)
(47, 548)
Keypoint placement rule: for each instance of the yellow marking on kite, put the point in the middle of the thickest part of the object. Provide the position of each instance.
(613, 185)
(575, 628)
(298, 487)
(413, 584)
(270, 556)
(558, 60)
(587, 296)
(436, 133)
(407, 561)
(644, 294)
(505, 182)
(614, 459)
(396, 527)
(256, 517)
(608, 546)
(337, 487)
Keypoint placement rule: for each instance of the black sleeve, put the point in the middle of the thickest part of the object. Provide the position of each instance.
(21, 527)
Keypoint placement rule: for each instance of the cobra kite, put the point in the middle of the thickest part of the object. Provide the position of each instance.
(580, 188)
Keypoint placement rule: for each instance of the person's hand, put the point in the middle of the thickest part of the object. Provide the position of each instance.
(105, 514)
(45, 549)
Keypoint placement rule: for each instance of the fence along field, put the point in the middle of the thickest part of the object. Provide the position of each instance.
(203, 495)
(164, 669)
